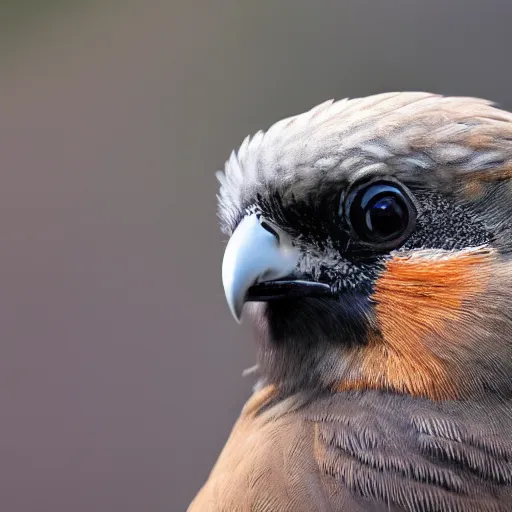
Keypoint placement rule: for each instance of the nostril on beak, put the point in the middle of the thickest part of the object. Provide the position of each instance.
(265, 225)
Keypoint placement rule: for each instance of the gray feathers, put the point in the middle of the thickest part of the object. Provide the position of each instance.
(417, 137)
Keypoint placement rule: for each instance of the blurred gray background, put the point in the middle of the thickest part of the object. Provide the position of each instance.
(120, 366)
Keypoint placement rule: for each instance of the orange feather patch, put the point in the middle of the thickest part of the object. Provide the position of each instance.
(416, 298)
(259, 399)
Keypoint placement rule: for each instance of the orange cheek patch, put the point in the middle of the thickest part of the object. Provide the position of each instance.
(416, 297)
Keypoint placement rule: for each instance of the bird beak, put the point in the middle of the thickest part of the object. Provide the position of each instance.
(254, 255)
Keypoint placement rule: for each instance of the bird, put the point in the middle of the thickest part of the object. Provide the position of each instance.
(370, 249)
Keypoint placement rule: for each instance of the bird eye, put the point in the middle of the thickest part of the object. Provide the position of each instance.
(380, 213)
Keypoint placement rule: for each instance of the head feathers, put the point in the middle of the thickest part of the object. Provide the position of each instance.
(400, 134)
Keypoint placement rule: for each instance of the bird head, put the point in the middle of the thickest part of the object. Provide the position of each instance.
(369, 241)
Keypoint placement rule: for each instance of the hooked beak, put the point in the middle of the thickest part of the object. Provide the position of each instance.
(254, 260)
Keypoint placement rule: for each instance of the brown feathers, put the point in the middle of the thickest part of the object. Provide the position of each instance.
(355, 452)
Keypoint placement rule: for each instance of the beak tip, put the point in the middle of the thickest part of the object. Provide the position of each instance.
(236, 307)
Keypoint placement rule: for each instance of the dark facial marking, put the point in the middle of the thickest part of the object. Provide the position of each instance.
(308, 321)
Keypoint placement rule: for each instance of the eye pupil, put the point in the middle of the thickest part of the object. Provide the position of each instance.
(380, 213)
(386, 217)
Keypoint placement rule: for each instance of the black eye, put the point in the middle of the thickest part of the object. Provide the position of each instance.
(380, 213)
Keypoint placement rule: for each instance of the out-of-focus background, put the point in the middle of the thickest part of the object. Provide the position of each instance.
(120, 366)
